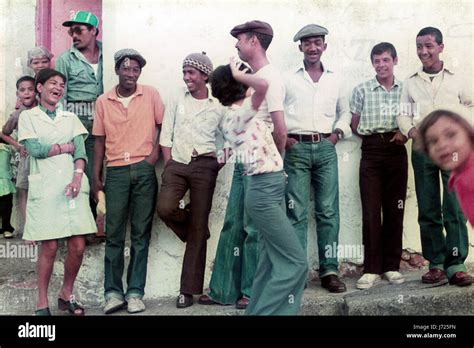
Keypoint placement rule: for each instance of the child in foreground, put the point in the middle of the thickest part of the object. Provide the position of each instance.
(448, 139)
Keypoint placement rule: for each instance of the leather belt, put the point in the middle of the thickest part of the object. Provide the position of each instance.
(309, 138)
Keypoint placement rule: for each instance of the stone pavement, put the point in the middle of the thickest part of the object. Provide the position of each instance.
(18, 293)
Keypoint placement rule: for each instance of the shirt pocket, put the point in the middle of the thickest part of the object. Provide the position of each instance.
(78, 75)
(35, 187)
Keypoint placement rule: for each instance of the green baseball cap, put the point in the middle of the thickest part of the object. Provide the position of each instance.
(83, 17)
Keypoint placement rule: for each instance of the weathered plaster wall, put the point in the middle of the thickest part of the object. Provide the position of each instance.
(166, 31)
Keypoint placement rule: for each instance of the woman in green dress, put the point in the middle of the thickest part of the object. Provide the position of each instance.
(58, 198)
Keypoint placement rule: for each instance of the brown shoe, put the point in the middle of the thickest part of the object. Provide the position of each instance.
(184, 300)
(242, 303)
(333, 283)
(206, 300)
(460, 279)
(433, 276)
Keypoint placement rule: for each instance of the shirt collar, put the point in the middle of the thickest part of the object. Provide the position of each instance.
(79, 54)
(302, 68)
(446, 67)
(112, 94)
(374, 83)
(51, 114)
(210, 98)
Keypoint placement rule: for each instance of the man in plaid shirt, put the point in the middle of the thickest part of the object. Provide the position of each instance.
(383, 168)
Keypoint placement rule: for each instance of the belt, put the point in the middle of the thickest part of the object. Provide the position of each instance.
(309, 138)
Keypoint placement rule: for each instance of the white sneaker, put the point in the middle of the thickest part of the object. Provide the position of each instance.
(394, 277)
(113, 304)
(368, 280)
(135, 305)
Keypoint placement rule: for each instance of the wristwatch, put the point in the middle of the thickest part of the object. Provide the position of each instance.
(339, 134)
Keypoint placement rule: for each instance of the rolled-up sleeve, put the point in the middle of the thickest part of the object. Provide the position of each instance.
(167, 128)
(405, 117)
(343, 115)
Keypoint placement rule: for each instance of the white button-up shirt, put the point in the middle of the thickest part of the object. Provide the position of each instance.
(420, 96)
(191, 126)
(316, 106)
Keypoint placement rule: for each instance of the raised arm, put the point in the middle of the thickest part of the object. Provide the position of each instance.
(260, 86)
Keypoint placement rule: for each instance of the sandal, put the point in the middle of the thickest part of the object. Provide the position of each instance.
(43, 312)
(72, 306)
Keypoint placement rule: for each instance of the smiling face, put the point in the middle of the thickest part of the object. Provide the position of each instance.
(26, 93)
(51, 91)
(312, 48)
(128, 73)
(38, 64)
(448, 143)
(383, 64)
(195, 79)
(428, 50)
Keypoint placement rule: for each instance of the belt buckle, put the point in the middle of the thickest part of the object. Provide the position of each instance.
(315, 138)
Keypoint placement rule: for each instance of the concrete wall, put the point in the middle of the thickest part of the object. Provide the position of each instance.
(166, 31)
(17, 36)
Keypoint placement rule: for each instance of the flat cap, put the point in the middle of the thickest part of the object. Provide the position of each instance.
(129, 53)
(310, 30)
(254, 26)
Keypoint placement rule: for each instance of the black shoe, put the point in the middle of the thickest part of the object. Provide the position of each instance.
(333, 283)
(184, 300)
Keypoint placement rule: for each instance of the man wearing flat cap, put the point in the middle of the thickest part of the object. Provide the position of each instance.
(82, 66)
(317, 117)
(189, 143)
(233, 274)
(126, 126)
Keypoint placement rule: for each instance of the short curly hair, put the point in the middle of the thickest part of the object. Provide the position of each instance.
(225, 88)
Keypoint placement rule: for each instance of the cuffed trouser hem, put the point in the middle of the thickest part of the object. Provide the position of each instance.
(113, 294)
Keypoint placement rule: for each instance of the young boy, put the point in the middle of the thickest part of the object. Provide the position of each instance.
(434, 85)
(383, 168)
(26, 94)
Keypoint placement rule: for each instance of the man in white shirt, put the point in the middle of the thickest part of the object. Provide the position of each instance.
(188, 140)
(317, 117)
(435, 86)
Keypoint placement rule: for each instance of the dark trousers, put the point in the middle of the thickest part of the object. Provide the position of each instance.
(6, 212)
(444, 251)
(190, 223)
(129, 191)
(383, 176)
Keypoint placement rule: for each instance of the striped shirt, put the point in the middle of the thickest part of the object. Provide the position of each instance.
(377, 107)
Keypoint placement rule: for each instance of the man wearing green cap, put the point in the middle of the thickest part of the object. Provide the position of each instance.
(82, 66)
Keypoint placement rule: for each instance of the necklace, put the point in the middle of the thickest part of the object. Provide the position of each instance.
(118, 94)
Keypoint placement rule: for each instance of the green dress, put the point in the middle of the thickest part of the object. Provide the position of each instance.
(49, 213)
(6, 184)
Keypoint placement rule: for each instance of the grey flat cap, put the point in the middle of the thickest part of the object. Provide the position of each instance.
(310, 30)
(130, 53)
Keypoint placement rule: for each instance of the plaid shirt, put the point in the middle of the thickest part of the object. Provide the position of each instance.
(377, 107)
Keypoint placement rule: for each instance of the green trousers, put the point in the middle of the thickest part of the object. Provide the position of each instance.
(314, 164)
(443, 252)
(129, 190)
(237, 251)
(282, 267)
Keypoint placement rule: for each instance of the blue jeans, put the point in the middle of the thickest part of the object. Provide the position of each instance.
(316, 164)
